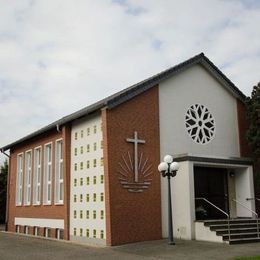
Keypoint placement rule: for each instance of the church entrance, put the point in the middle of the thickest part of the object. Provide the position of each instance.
(212, 185)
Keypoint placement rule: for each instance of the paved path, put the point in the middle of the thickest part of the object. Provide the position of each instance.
(14, 247)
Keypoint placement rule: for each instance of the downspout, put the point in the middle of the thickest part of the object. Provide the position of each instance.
(58, 128)
(7, 189)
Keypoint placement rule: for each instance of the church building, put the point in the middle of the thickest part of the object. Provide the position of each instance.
(92, 176)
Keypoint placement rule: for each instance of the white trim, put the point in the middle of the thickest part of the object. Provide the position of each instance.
(28, 177)
(59, 170)
(37, 176)
(49, 182)
(40, 222)
(19, 180)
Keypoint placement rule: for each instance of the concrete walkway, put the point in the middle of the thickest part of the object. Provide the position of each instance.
(14, 246)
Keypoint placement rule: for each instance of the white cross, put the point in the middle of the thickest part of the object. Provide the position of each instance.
(135, 141)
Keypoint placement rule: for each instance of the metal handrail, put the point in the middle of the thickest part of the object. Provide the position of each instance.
(253, 199)
(216, 207)
(244, 206)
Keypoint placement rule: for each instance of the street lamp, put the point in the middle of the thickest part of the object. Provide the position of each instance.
(169, 169)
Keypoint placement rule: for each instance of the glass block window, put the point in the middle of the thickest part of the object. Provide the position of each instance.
(95, 163)
(102, 196)
(102, 214)
(200, 124)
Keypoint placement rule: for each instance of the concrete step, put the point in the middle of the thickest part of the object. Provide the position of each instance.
(235, 231)
(240, 235)
(232, 221)
(233, 226)
(243, 240)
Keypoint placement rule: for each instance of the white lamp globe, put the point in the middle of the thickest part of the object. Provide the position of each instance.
(174, 166)
(163, 167)
(168, 158)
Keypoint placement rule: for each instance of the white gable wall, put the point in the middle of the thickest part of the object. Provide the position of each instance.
(197, 86)
(193, 86)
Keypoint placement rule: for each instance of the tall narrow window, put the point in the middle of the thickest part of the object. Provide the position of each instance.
(37, 176)
(28, 178)
(47, 173)
(19, 180)
(59, 172)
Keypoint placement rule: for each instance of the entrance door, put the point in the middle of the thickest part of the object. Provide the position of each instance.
(211, 184)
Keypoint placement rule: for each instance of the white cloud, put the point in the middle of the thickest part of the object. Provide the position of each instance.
(57, 56)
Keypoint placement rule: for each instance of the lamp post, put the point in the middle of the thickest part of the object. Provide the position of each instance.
(169, 169)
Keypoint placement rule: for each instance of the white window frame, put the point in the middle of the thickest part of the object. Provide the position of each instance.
(37, 176)
(59, 232)
(37, 231)
(47, 175)
(28, 178)
(46, 232)
(19, 179)
(59, 172)
(26, 230)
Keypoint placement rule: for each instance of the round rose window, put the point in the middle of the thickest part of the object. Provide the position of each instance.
(200, 124)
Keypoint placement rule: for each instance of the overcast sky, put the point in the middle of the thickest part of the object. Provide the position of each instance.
(57, 56)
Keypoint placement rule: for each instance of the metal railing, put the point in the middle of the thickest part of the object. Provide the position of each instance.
(253, 199)
(244, 206)
(219, 209)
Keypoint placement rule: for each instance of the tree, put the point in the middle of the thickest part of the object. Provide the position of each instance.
(3, 190)
(253, 114)
(253, 132)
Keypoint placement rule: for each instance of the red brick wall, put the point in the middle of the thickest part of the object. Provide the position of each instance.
(41, 211)
(132, 217)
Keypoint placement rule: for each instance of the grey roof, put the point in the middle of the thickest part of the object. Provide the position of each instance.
(134, 90)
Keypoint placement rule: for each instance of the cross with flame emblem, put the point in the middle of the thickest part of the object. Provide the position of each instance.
(135, 141)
